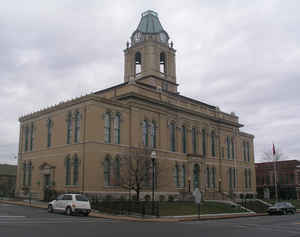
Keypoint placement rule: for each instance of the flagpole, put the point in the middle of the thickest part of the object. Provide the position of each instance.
(275, 173)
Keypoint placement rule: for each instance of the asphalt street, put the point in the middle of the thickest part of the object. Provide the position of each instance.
(33, 222)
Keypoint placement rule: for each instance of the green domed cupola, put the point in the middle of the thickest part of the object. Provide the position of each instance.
(149, 28)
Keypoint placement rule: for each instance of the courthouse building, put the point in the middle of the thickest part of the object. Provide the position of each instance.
(75, 145)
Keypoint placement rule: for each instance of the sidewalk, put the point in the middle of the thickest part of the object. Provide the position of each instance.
(38, 204)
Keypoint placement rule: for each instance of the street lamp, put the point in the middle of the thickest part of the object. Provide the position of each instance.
(153, 157)
(220, 185)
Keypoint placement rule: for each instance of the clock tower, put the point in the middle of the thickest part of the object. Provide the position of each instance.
(150, 57)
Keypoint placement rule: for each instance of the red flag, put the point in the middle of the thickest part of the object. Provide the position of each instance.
(274, 150)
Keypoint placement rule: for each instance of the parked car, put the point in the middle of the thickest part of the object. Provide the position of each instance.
(282, 208)
(70, 203)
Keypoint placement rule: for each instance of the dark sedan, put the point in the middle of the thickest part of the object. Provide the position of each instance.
(282, 208)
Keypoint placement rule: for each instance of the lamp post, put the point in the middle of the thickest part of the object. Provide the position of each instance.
(220, 185)
(153, 157)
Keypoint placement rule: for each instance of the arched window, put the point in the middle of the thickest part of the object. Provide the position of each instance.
(24, 173)
(26, 137)
(117, 171)
(204, 142)
(31, 136)
(177, 175)
(228, 147)
(163, 62)
(145, 133)
(194, 139)
(69, 127)
(107, 127)
(29, 166)
(107, 167)
(117, 128)
(49, 127)
(75, 170)
(153, 134)
(183, 173)
(173, 135)
(248, 151)
(213, 151)
(196, 175)
(77, 126)
(183, 139)
(244, 151)
(138, 63)
(208, 174)
(68, 170)
(232, 148)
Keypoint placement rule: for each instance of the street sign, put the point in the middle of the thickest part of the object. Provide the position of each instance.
(197, 196)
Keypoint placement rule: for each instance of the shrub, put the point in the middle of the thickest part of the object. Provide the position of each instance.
(170, 198)
(147, 198)
(161, 198)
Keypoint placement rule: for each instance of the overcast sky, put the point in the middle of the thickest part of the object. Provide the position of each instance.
(243, 56)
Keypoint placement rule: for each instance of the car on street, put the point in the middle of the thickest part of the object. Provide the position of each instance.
(70, 204)
(282, 208)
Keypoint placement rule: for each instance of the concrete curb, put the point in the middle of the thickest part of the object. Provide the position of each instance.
(151, 219)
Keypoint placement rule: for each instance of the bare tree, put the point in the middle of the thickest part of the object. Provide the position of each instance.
(269, 157)
(136, 170)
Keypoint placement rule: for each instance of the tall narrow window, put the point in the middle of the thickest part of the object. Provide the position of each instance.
(107, 171)
(49, 137)
(31, 136)
(248, 151)
(214, 177)
(232, 148)
(26, 137)
(163, 62)
(244, 151)
(153, 134)
(213, 151)
(75, 170)
(172, 136)
(69, 127)
(145, 133)
(250, 179)
(29, 167)
(183, 175)
(196, 174)
(77, 127)
(177, 177)
(208, 177)
(107, 138)
(183, 129)
(117, 128)
(117, 171)
(228, 147)
(24, 173)
(68, 170)
(203, 142)
(194, 139)
(230, 174)
(138, 63)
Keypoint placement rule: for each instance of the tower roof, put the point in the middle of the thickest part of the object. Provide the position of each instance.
(149, 26)
(150, 23)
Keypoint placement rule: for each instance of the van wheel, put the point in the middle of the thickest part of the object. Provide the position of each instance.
(50, 209)
(68, 211)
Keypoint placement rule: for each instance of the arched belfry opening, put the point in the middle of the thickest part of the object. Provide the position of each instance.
(149, 57)
(138, 63)
(163, 68)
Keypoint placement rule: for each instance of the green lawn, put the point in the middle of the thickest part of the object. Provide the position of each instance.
(190, 208)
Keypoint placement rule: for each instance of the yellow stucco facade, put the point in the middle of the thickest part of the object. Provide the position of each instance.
(217, 157)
